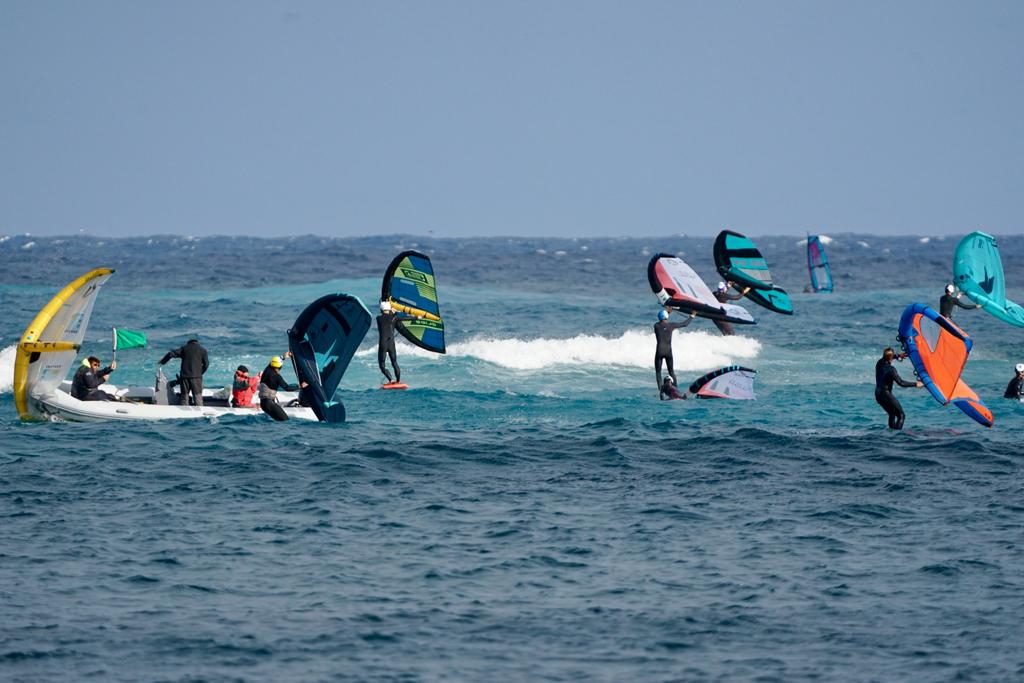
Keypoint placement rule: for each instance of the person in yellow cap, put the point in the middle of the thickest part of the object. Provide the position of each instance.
(271, 382)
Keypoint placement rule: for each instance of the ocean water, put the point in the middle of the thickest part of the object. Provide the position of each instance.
(528, 510)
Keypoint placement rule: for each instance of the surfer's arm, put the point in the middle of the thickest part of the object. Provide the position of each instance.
(899, 380)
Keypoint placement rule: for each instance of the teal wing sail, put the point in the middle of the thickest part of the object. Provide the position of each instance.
(978, 271)
(323, 340)
(410, 287)
(739, 260)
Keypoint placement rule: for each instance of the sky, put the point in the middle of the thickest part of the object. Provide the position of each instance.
(532, 118)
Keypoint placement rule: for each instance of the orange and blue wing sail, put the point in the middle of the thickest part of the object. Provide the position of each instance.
(938, 349)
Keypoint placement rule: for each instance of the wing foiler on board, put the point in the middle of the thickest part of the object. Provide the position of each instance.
(978, 271)
(676, 285)
(410, 287)
(739, 260)
(323, 340)
(938, 350)
(732, 381)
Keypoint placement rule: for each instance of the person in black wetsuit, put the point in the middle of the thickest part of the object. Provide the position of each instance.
(271, 382)
(386, 339)
(723, 296)
(663, 330)
(885, 375)
(88, 378)
(950, 299)
(194, 363)
(1015, 389)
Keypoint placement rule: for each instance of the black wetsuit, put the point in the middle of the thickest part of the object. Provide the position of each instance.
(948, 301)
(1015, 389)
(885, 375)
(85, 385)
(271, 382)
(663, 330)
(725, 327)
(386, 344)
(194, 363)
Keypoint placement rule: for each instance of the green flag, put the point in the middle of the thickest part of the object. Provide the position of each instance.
(129, 339)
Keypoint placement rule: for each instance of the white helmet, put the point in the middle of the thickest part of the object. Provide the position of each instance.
(385, 306)
(1019, 367)
(722, 287)
(950, 289)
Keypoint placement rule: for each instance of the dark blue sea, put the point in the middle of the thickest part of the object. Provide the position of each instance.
(528, 510)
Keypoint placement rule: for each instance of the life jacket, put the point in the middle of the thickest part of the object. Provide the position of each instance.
(243, 389)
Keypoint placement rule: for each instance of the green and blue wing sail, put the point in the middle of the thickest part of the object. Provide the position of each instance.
(738, 260)
(410, 287)
(323, 340)
(978, 271)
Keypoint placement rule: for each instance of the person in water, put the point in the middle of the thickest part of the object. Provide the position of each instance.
(1015, 389)
(663, 330)
(950, 299)
(669, 392)
(194, 363)
(386, 339)
(89, 377)
(244, 387)
(723, 296)
(885, 375)
(271, 382)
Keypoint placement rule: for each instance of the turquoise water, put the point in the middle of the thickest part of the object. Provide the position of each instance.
(528, 510)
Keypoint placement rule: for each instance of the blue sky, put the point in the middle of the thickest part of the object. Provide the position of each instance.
(511, 118)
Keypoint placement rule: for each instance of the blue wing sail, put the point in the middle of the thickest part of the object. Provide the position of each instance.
(323, 340)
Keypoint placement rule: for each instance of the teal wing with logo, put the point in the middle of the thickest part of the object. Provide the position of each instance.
(978, 272)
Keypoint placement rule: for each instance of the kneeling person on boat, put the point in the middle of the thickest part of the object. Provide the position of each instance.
(85, 385)
(271, 382)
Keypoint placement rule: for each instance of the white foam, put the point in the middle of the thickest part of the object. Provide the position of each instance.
(7, 369)
(698, 350)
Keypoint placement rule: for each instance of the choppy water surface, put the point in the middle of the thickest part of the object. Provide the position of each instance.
(528, 510)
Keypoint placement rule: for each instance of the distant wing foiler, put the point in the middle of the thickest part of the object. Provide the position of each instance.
(732, 381)
(978, 271)
(938, 349)
(817, 265)
(50, 344)
(678, 286)
(323, 340)
(410, 287)
(738, 260)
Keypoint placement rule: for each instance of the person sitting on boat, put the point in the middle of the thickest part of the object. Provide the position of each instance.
(244, 387)
(271, 382)
(85, 385)
(1015, 389)
(723, 296)
(194, 363)
(950, 299)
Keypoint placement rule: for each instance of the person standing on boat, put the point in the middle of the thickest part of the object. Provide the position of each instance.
(271, 382)
(85, 385)
(194, 363)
